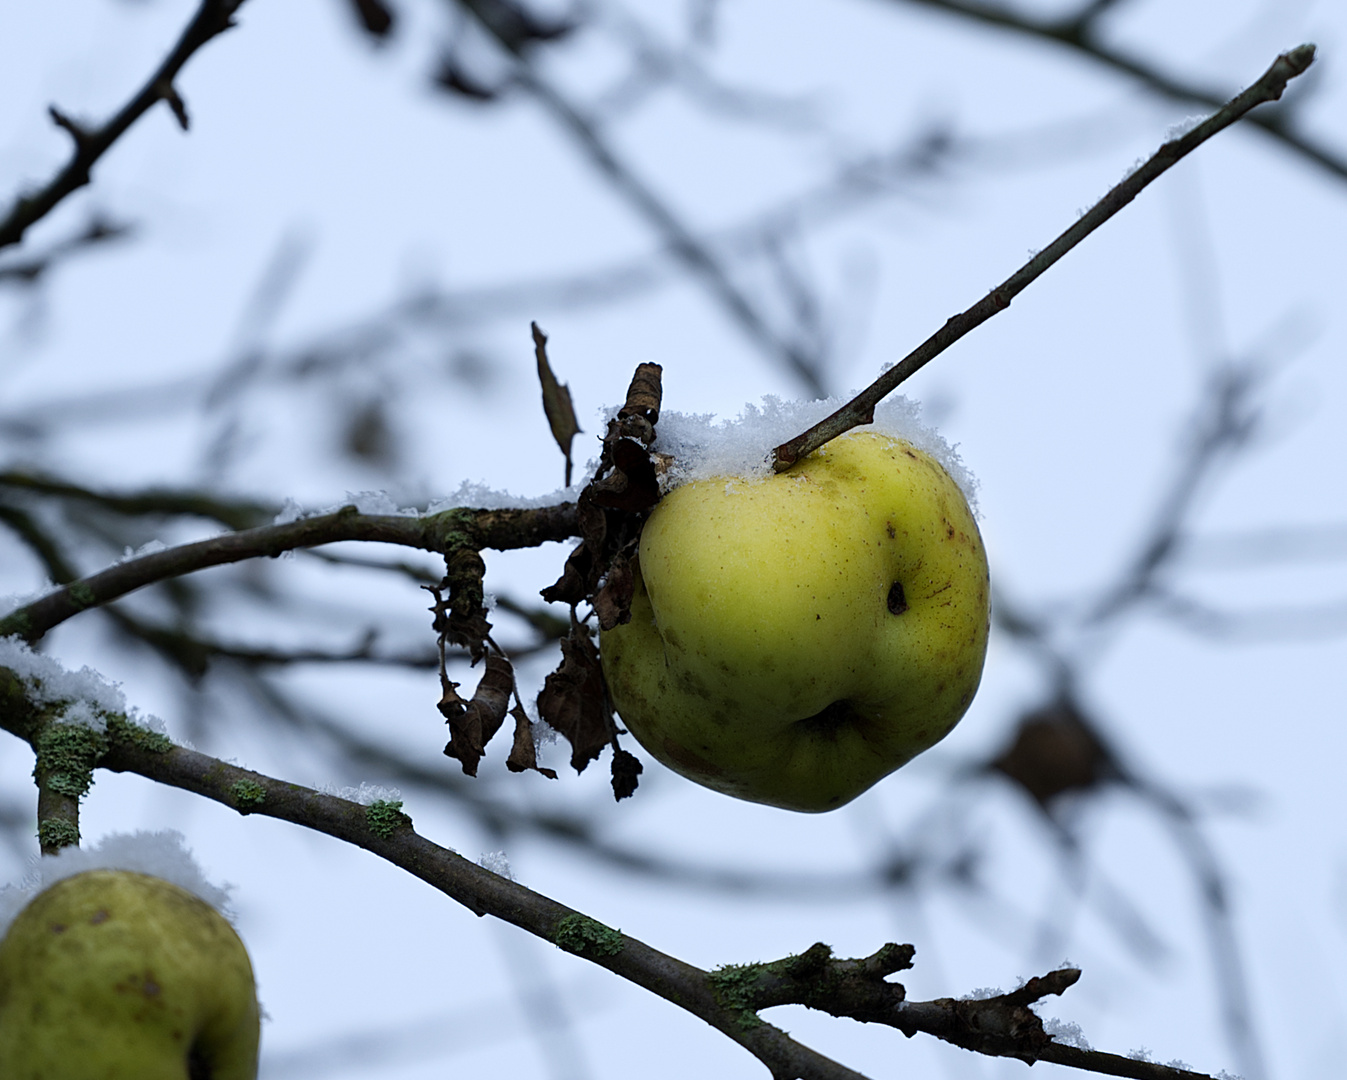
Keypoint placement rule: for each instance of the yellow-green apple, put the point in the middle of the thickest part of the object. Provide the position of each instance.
(115, 975)
(795, 639)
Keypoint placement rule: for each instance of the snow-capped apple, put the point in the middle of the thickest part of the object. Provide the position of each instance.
(795, 638)
(115, 975)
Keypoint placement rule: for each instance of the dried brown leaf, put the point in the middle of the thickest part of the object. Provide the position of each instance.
(556, 401)
(575, 702)
(626, 768)
(467, 624)
(524, 754)
(645, 393)
(612, 603)
(451, 704)
(481, 718)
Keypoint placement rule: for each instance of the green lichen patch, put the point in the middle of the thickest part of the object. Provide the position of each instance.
(455, 528)
(383, 817)
(66, 756)
(247, 795)
(735, 985)
(122, 730)
(17, 622)
(57, 833)
(82, 595)
(584, 936)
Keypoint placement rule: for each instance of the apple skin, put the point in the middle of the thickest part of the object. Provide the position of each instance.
(115, 975)
(763, 659)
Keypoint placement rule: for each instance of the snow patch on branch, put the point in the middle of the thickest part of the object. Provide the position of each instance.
(377, 503)
(701, 445)
(366, 794)
(87, 697)
(1180, 129)
(469, 494)
(480, 497)
(150, 547)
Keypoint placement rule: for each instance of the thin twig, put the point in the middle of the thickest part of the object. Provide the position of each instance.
(1077, 33)
(212, 17)
(861, 409)
(1227, 419)
(96, 233)
(235, 514)
(495, 18)
(500, 529)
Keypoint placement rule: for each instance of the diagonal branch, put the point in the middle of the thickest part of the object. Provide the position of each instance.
(861, 409)
(1077, 33)
(212, 17)
(727, 999)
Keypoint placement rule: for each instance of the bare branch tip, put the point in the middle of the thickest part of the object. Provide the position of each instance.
(65, 123)
(169, 94)
(1301, 57)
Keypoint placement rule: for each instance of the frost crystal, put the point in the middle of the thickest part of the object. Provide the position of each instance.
(290, 511)
(12, 602)
(498, 863)
(161, 854)
(1065, 1032)
(1179, 130)
(366, 794)
(147, 548)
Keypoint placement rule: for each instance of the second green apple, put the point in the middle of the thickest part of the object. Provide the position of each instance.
(117, 975)
(795, 639)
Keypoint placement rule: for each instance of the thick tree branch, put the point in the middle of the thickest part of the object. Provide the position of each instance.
(728, 999)
(383, 830)
(861, 409)
(212, 17)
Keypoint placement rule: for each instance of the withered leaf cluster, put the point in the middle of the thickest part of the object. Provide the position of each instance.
(461, 620)
(600, 572)
(612, 510)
